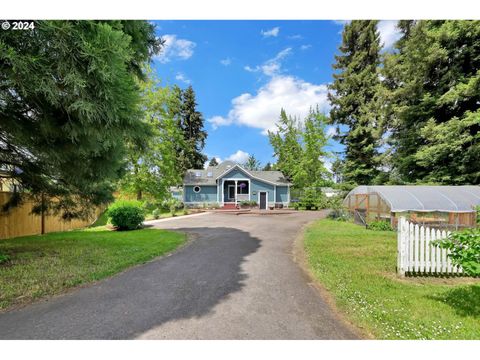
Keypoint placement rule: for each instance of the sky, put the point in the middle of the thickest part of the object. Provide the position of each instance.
(244, 72)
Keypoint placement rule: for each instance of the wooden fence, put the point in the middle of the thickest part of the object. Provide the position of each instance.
(416, 254)
(20, 221)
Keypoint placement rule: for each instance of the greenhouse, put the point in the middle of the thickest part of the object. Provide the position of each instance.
(439, 206)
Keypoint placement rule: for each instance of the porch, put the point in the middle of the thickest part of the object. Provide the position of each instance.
(234, 191)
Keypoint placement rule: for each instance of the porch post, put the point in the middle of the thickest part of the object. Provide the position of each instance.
(236, 192)
(223, 195)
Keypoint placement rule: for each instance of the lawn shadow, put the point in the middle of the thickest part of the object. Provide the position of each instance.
(187, 284)
(464, 300)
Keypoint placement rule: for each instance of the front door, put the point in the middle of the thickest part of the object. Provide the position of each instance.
(263, 200)
(231, 192)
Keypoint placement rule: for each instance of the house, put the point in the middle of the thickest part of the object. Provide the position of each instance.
(228, 184)
(440, 206)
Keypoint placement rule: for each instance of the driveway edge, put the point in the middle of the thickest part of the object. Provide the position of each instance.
(300, 258)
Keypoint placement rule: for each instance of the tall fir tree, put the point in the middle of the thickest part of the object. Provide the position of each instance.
(192, 125)
(354, 95)
(267, 167)
(433, 81)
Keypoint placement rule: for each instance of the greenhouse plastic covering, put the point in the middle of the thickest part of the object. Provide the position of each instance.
(425, 198)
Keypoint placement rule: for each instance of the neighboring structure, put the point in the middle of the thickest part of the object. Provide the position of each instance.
(438, 206)
(330, 192)
(228, 184)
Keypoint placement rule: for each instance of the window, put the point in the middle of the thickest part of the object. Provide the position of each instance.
(242, 187)
(197, 189)
(198, 174)
(209, 174)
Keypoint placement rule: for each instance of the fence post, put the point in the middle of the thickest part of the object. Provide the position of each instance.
(400, 246)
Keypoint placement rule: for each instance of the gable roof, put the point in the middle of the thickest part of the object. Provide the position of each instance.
(210, 175)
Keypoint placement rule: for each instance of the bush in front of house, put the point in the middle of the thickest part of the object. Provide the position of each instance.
(380, 225)
(464, 250)
(248, 203)
(126, 214)
(156, 213)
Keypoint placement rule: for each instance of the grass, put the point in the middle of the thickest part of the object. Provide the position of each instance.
(44, 265)
(357, 266)
(166, 214)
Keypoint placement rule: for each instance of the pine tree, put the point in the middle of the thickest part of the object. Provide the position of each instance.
(252, 163)
(354, 97)
(192, 125)
(434, 102)
(213, 162)
(267, 167)
(69, 102)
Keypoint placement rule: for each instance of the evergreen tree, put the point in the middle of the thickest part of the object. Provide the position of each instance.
(354, 97)
(68, 103)
(213, 162)
(252, 163)
(192, 125)
(286, 143)
(267, 167)
(434, 102)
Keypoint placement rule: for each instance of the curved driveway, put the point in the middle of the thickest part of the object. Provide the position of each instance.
(236, 280)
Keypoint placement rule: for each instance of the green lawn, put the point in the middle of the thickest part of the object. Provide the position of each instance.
(357, 266)
(49, 264)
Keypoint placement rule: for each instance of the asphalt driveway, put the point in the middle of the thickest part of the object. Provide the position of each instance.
(236, 279)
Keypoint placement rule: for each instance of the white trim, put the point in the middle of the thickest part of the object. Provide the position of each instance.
(199, 189)
(223, 192)
(266, 200)
(245, 171)
(274, 195)
(288, 196)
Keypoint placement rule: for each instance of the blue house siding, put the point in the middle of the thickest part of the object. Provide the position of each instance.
(235, 174)
(282, 194)
(207, 194)
(257, 186)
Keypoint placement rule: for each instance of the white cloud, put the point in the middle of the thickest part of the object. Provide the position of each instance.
(389, 33)
(181, 77)
(305, 47)
(239, 157)
(341, 22)
(272, 66)
(262, 110)
(295, 37)
(331, 131)
(226, 62)
(175, 48)
(272, 32)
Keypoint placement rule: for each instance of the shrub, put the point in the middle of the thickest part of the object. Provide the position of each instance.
(340, 215)
(380, 225)
(248, 203)
(156, 213)
(464, 249)
(313, 198)
(4, 258)
(126, 215)
(185, 211)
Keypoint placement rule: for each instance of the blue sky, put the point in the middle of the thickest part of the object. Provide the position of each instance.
(243, 72)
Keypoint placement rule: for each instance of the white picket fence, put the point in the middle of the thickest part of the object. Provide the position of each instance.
(417, 255)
